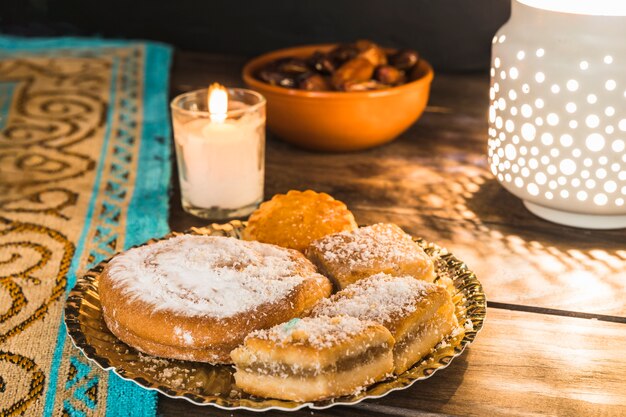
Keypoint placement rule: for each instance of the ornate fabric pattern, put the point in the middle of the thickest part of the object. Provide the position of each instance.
(84, 172)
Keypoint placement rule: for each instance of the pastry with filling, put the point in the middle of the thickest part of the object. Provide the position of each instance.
(347, 257)
(197, 297)
(295, 219)
(312, 359)
(418, 314)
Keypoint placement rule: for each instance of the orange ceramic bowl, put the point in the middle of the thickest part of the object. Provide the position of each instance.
(334, 120)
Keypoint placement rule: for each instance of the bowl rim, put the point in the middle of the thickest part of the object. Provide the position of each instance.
(253, 82)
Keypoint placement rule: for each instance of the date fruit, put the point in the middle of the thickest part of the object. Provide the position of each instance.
(354, 71)
(359, 66)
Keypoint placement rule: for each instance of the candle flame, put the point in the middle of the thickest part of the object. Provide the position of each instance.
(218, 102)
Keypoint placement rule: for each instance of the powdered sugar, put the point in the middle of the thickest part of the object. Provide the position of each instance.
(185, 336)
(367, 246)
(380, 298)
(317, 332)
(206, 275)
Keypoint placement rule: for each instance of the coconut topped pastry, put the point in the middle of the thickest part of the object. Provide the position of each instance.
(418, 314)
(346, 257)
(314, 358)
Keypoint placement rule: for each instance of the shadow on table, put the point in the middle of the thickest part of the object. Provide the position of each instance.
(520, 258)
(558, 266)
(559, 249)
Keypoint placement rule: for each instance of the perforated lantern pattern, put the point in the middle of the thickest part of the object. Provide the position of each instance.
(557, 119)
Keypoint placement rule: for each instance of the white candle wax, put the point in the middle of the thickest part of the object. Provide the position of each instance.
(223, 162)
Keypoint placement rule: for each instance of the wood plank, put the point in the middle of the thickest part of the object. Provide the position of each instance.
(521, 364)
(434, 182)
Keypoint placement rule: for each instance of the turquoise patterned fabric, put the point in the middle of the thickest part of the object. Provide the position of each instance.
(108, 155)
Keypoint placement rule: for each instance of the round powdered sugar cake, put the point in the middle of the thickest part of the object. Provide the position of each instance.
(197, 297)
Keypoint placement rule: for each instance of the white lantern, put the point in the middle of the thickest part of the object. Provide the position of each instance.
(557, 120)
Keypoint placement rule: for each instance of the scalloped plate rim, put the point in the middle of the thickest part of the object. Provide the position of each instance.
(310, 405)
(78, 291)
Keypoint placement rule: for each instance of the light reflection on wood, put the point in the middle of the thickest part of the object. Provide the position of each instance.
(519, 258)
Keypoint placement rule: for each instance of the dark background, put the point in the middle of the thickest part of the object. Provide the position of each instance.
(454, 35)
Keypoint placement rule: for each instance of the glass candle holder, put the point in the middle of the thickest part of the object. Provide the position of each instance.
(221, 156)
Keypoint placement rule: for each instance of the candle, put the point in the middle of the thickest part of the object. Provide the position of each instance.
(220, 151)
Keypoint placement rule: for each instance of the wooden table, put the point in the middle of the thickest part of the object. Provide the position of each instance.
(554, 342)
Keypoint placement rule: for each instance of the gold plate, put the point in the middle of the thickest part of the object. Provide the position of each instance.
(205, 384)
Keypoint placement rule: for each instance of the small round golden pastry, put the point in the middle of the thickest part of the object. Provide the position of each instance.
(296, 219)
(197, 297)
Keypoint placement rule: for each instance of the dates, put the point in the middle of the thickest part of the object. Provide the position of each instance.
(359, 66)
(387, 74)
(343, 53)
(404, 60)
(372, 52)
(275, 77)
(314, 82)
(322, 63)
(354, 71)
(293, 66)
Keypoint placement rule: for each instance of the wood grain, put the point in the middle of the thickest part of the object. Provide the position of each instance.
(521, 364)
(434, 182)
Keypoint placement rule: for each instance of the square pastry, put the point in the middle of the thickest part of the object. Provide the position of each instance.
(314, 358)
(418, 314)
(346, 257)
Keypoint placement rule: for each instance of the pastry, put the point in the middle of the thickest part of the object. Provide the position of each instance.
(312, 359)
(197, 297)
(295, 219)
(418, 314)
(347, 257)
